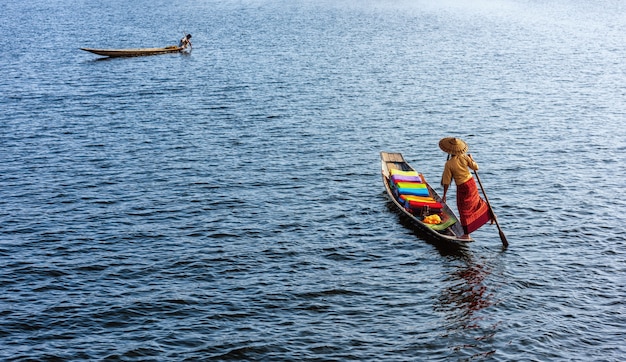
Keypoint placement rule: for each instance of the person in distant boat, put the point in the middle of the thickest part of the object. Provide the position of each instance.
(473, 210)
(185, 42)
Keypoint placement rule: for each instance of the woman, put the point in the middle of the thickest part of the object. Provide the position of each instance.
(473, 210)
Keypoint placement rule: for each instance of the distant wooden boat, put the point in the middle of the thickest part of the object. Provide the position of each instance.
(113, 53)
(418, 202)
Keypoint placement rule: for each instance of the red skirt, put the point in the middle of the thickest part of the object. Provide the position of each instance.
(473, 210)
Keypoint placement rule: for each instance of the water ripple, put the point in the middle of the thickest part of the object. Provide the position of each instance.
(227, 205)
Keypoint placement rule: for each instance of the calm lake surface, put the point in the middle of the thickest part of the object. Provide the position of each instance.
(228, 204)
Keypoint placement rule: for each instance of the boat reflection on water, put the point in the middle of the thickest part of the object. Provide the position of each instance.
(465, 295)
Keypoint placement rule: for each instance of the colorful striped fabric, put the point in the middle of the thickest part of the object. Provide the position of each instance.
(417, 198)
(410, 185)
(407, 183)
(417, 202)
(412, 191)
(397, 178)
(403, 173)
(403, 178)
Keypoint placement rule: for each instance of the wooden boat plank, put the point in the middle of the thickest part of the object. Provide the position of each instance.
(392, 157)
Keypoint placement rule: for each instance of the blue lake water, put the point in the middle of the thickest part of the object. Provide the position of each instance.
(228, 204)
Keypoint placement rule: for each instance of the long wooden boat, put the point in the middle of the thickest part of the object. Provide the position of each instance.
(416, 200)
(133, 52)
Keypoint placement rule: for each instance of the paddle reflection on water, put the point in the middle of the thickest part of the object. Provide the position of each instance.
(462, 299)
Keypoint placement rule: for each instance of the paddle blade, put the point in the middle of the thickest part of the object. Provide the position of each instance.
(505, 242)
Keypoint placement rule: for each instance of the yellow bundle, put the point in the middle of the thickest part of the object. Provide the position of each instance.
(432, 219)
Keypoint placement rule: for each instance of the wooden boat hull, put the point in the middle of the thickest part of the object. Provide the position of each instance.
(133, 52)
(450, 234)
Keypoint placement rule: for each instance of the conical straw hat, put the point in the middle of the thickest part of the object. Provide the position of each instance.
(453, 146)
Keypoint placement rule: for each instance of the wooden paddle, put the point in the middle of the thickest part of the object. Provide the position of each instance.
(505, 243)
